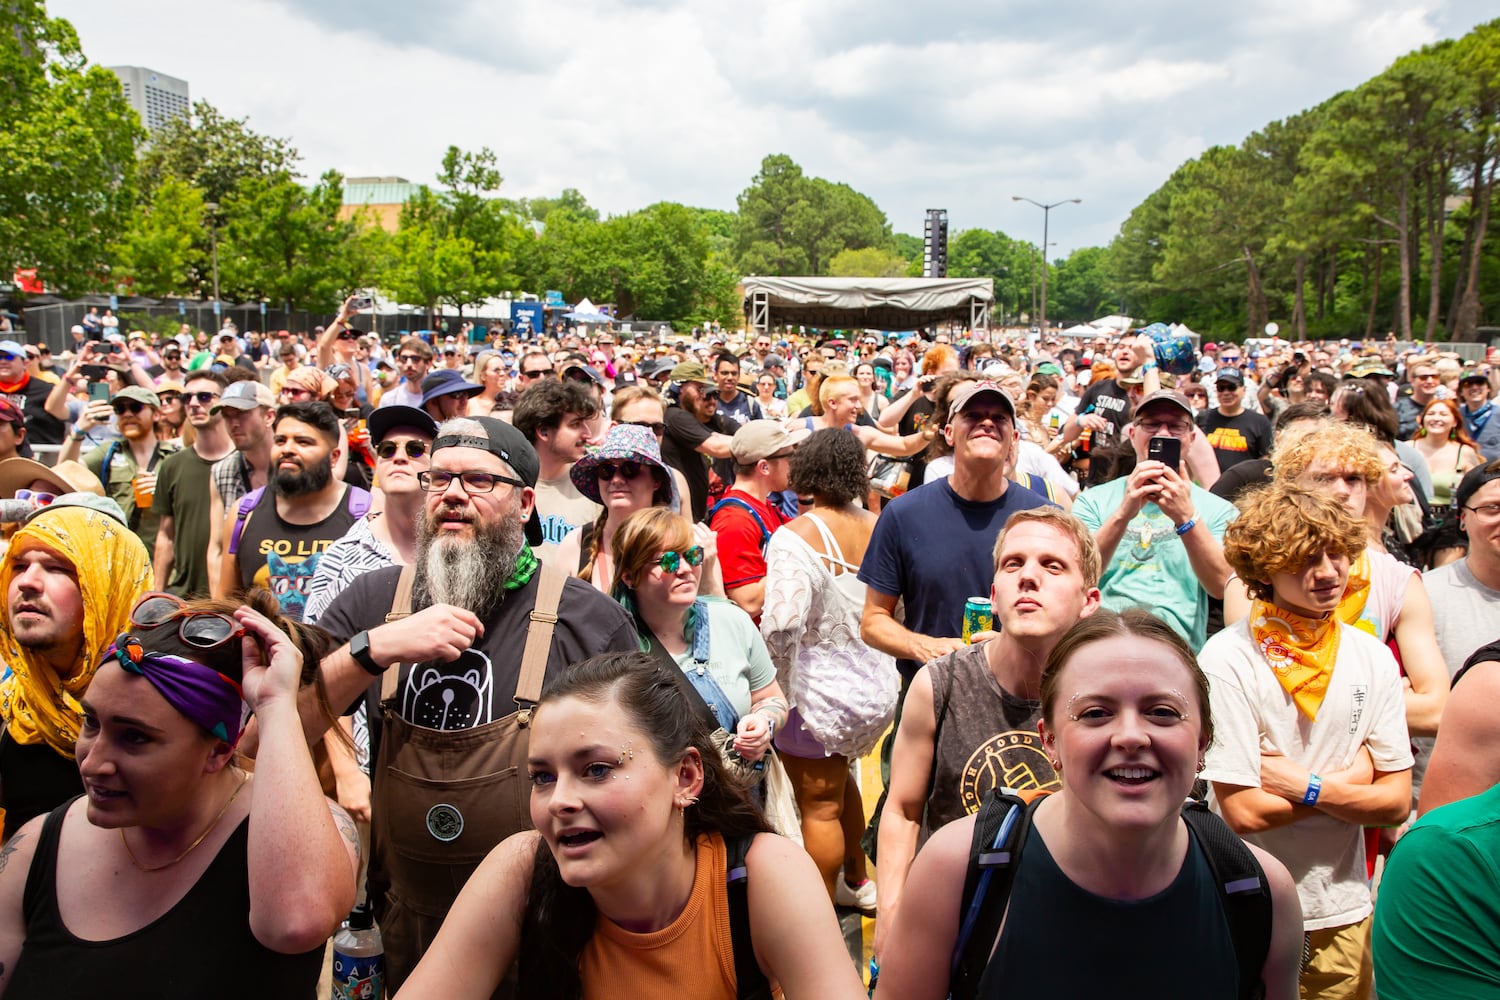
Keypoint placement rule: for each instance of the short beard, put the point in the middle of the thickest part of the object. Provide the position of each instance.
(465, 574)
(311, 479)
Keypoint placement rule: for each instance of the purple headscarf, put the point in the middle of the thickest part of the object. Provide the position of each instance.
(201, 693)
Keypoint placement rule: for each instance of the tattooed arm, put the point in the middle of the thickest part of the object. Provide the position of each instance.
(15, 865)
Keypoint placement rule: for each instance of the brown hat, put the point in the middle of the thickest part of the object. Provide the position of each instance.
(1177, 399)
(758, 439)
(64, 477)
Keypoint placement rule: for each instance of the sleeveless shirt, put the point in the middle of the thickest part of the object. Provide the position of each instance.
(986, 738)
(281, 556)
(1173, 944)
(202, 947)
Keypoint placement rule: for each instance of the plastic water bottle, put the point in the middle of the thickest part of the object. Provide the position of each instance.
(358, 958)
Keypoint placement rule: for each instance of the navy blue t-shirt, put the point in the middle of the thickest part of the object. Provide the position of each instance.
(934, 550)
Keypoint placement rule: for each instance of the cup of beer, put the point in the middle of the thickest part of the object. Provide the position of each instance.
(144, 484)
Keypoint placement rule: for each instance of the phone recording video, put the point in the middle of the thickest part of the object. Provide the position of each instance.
(1166, 450)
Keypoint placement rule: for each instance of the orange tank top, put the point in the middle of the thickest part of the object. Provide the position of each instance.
(692, 956)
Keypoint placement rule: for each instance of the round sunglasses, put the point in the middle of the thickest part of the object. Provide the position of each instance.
(606, 470)
(386, 450)
(671, 562)
(201, 629)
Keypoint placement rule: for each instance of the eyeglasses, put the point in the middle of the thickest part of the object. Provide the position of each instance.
(1488, 511)
(203, 629)
(656, 426)
(201, 398)
(472, 482)
(169, 397)
(606, 470)
(36, 497)
(129, 406)
(386, 450)
(671, 562)
(1172, 427)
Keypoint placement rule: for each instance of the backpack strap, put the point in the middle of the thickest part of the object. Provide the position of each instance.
(550, 582)
(357, 502)
(1000, 831)
(765, 533)
(248, 502)
(750, 981)
(1243, 890)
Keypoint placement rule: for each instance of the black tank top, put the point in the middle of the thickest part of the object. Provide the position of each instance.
(282, 557)
(34, 780)
(1063, 941)
(202, 947)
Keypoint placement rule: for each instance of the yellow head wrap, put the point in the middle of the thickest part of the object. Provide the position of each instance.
(113, 572)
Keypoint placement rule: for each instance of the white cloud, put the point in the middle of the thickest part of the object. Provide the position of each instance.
(944, 104)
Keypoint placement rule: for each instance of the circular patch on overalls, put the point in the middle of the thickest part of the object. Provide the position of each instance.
(445, 822)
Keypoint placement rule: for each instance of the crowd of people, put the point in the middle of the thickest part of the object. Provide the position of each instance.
(564, 650)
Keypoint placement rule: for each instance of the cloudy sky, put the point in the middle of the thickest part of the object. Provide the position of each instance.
(940, 104)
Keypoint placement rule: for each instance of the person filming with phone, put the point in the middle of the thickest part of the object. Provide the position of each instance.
(1159, 533)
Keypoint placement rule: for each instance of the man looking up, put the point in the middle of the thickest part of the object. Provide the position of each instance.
(70, 578)
(127, 465)
(553, 416)
(969, 719)
(1424, 383)
(1159, 533)
(450, 713)
(182, 499)
(276, 536)
(413, 360)
(1234, 433)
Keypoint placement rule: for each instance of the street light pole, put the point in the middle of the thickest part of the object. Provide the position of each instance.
(1046, 219)
(212, 208)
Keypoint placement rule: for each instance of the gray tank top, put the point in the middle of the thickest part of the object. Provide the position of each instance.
(986, 738)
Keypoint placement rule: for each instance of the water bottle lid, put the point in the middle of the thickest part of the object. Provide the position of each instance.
(362, 917)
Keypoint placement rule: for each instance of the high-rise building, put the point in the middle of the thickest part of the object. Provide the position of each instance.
(156, 97)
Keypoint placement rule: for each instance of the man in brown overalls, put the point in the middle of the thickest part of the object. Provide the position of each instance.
(474, 628)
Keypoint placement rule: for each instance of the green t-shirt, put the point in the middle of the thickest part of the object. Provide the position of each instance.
(182, 494)
(118, 485)
(737, 655)
(1436, 919)
(1150, 567)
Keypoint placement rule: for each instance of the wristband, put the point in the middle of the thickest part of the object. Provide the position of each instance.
(1314, 789)
(1186, 526)
(78, 435)
(1149, 366)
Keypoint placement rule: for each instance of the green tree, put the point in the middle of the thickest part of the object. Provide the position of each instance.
(766, 240)
(1083, 289)
(285, 243)
(867, 262)
(214, 153)
(67, 142)
(158, 253)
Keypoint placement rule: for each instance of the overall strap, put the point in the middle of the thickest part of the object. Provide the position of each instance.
(400, 608)
(549, 590)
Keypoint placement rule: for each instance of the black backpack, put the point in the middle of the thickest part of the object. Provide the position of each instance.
(750, 982)
(1000, 831)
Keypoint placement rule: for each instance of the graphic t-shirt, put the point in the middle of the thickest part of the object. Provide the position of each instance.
(281, 556)
(1238, 438)
(562, 510)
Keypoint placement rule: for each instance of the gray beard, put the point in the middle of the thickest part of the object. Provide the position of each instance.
(467, 575)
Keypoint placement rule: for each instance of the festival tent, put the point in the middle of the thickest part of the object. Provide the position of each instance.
(1081, 330)
(586, 312)
(867, 303)
(1115, 322)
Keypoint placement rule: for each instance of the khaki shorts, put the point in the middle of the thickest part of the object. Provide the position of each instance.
(1338, 964)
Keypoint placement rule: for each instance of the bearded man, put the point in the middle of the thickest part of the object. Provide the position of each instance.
(475, 627)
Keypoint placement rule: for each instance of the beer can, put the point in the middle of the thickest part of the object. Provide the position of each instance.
(978, 617)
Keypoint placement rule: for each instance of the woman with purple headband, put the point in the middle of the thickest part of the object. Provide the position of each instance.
(178, 873)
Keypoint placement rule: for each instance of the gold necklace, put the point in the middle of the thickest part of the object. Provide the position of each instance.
(201, 837)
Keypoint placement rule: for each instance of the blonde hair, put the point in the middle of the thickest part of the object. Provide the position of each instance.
(1089, 560)
(1345, 445)
(834, 384)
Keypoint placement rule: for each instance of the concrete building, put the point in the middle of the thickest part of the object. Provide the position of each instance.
(156, 97)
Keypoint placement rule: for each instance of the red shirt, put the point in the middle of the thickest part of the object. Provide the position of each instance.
(742, 553)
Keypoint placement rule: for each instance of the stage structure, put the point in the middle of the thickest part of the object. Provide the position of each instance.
(868, 303)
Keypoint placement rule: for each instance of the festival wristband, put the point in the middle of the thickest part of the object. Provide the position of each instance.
(1186, 526)
(1314, 788)
(1149, 366)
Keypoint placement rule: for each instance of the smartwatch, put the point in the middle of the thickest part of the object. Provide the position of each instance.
(359, 648)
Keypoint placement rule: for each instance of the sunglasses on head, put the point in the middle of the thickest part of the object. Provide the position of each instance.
(670, 562)
(129, 406)
(606, 470)
(202, 629)
(414, 449)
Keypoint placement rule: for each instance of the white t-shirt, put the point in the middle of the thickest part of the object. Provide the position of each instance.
(562, 511)
(1253, 715)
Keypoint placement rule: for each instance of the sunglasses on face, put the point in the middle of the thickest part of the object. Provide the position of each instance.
(36, 496)
(410, 359)
(386, 450)
(203, 629)
(671, 562)
(129, 406)
(201, 398)
(606, 470)
(537, 373)
(8, 356)
(348, 335)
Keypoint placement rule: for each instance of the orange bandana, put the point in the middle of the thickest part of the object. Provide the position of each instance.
(1356, 593)
(1301, 651)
